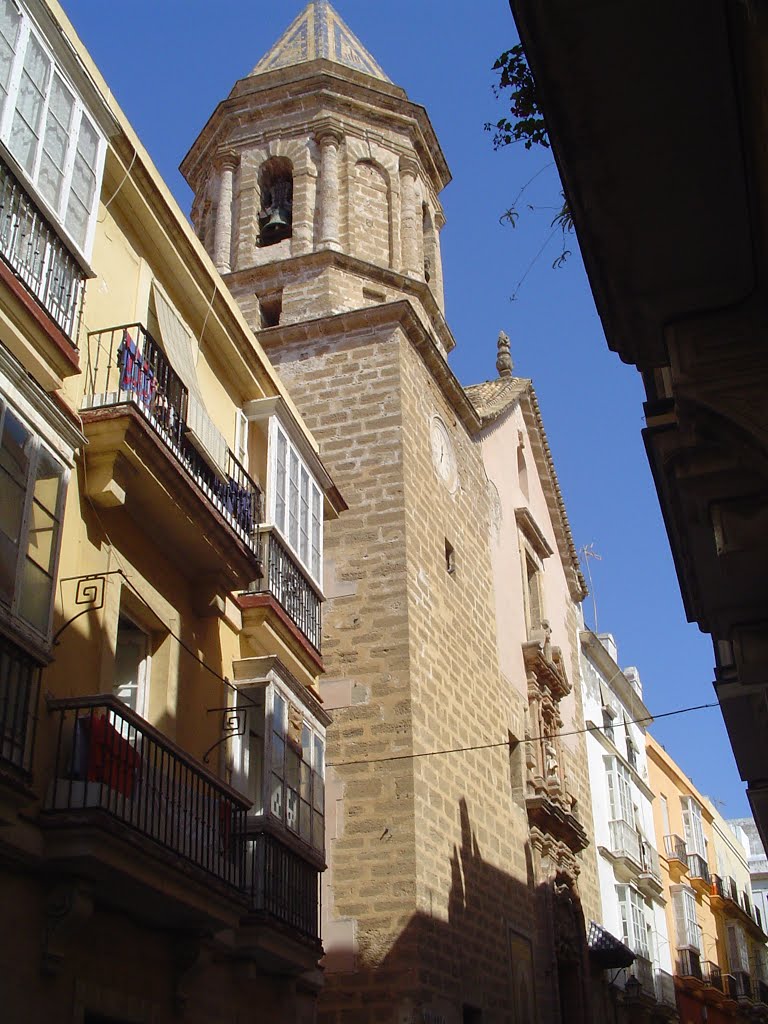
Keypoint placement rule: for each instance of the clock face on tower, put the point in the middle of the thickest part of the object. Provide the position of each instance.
(443, 455)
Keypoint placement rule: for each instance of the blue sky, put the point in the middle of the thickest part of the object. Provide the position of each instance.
(169, 62)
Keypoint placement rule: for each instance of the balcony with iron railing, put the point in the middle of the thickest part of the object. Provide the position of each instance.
(675, 849)
(19, 687)
(689, 964)
(133, 810)
(650, 872)
(739, 986)
(698, 869)
(282, 885)
(724, 888)
(712, 975)
(38, 257)
(624, 841)
(136, 408)
(112, 767)
(285, 579)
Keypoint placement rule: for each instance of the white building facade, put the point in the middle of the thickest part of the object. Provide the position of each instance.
(627, 861)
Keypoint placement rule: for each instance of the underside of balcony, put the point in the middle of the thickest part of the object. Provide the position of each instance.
(129, 466)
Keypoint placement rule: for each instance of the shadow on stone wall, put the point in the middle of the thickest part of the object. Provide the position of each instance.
(509, 951)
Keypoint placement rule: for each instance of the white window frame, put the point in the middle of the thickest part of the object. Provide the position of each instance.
(14, 607)
(274, 748)
(686, 922)
(738, 949)
(693, 826)
(144, 673)
(305, 520)
(58, 214)
(619, 783)
(633, 923)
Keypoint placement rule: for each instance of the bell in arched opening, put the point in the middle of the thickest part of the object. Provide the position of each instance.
(276, 214)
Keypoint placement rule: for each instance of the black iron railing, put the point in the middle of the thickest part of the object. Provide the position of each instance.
(38, 256)
(649, 860)
(282, 884)
(285, 579)
(19, 688)
(109, 759)
(739, 985)
(712, 975)
(127, 366)
(674, 848)
(698, 867)
(689, 964)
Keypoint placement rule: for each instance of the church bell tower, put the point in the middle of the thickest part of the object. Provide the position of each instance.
(316, 193)
(317, 181)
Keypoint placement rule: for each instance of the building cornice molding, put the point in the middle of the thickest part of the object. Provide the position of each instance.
(275, 275)
(308, 86)
(397, 314)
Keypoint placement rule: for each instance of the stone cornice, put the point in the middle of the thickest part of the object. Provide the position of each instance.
(388, 314)
(275, 275)
(314, 85)
(542, 453)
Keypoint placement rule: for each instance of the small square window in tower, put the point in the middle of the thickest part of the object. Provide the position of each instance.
(276, 214)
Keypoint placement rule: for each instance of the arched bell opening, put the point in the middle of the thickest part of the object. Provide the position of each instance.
(276, 213)
(429, 243)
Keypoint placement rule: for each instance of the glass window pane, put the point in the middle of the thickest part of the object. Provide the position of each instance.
(9, 557)
(276, 797)
(319, 764)
(10, 19)
(306, 782)
(305, 822)
(304, 518)
(292, 768)
(306, 743)
(36, 593)
(76, 219)
(278, 755)
(280, 481)
(292, 809)
(11, 507)
(293, 501)
(58, 125)
(317, 526)
(318, 792)
(16, 448)
(41, 539)
(278, 715)
(25, 131)
(318, 831)
(48, 479)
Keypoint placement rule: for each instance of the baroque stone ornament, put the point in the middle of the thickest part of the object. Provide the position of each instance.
(504, 362)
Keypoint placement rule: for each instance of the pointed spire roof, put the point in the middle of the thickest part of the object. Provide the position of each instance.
(319, 32)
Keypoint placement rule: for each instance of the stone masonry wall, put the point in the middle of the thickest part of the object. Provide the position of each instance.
(470, 833)
(348, 389)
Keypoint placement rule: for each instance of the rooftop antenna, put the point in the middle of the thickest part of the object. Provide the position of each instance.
(587, 552)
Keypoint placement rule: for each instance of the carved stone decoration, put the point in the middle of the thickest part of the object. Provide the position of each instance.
(504, 362)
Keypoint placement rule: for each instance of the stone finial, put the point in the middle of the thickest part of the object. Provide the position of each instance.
(504, 362)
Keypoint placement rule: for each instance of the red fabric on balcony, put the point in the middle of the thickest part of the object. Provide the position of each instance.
(111, 758)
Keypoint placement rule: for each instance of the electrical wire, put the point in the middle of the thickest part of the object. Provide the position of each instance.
(509, 742)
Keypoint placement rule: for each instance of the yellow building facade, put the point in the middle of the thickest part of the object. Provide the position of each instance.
(162, 507)
(717, 936)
